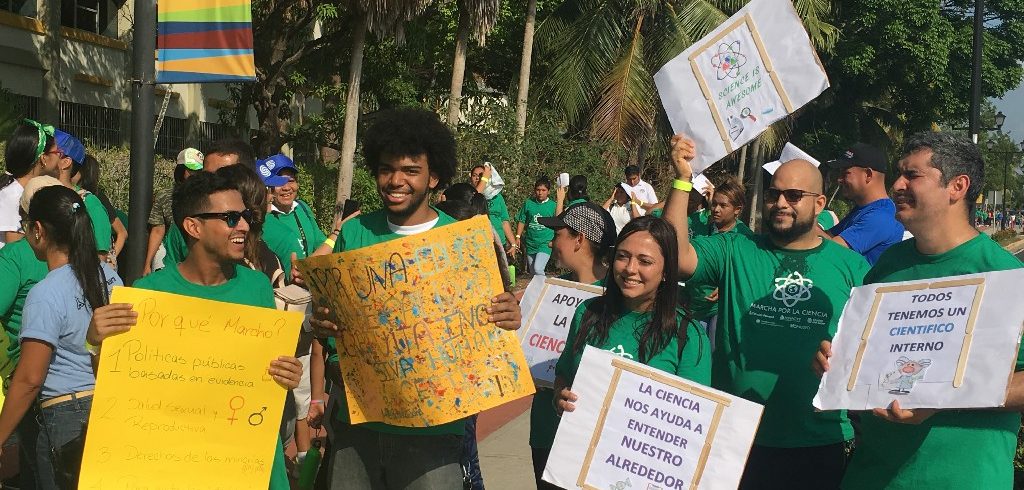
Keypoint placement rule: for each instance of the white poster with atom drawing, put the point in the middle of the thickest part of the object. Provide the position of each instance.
(748, 73)
(636, 427)
(948, 342)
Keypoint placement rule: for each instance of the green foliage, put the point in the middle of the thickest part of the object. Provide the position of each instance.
(1005, 237)
(9, 115)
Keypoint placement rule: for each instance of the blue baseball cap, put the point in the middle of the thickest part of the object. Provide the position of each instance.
(70, 146)
(270, 169)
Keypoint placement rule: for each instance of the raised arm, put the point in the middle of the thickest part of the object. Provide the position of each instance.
(683, 151)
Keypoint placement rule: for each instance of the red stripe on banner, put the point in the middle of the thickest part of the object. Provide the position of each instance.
(225, 39)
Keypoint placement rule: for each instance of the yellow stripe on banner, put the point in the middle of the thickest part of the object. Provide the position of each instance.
(170, 6)
(241, 65)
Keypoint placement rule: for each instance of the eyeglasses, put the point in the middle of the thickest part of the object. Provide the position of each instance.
(792, 196)
(60, 154)
(230, 217)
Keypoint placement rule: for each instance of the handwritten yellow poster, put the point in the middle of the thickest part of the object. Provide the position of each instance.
(7, 364)
(184, 400)
(415, 349)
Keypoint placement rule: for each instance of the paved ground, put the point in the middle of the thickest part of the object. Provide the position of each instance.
(505, 454)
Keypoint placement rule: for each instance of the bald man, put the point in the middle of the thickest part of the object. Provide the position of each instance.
(780, 295)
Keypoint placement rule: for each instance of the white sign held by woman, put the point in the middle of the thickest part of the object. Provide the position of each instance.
(548, 307)
(638, 427)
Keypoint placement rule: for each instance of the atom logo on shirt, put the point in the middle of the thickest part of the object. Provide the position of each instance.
(792, 289)
(621, 352)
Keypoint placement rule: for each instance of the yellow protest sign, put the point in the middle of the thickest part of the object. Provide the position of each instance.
(184, 400)
(7, 364)
(415, 349)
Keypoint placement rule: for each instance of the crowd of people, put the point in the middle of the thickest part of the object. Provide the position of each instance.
(689, 289)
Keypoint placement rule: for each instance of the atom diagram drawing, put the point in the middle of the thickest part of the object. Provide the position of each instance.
(728, 60)
(792, 289)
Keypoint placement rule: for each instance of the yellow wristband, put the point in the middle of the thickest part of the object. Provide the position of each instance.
(682, 185)
(485, 179)
(329, 242)
(92, 349)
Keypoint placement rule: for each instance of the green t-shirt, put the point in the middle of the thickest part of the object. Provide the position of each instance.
(174, 245)
(538, 237)
(953, 448)
(575, 201)
(776, 306)
(623, 339)
(248, 287)
(100, 219)
(293, 232)
(497, 212)
(19, 271)
(700, 307)
(543, 419)
(826, 219)
(363, 231)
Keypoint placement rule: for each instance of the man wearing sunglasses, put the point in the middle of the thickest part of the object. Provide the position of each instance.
(209, 211)
(941, 176)
(871, 226)
(780, 294)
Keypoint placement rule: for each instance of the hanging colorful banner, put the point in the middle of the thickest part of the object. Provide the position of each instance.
(204, 41)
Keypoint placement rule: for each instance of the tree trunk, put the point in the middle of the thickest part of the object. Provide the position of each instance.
(49, 108)
(348, 141)
(743, 164)
(755, 195)
(458, 66)
(524, 69)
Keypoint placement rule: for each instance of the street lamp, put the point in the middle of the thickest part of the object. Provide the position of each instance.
(990, 145)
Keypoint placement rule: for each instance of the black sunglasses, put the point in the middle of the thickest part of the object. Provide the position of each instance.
(230, 217)
(792, 196)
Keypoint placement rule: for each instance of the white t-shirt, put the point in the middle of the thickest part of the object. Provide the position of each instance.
(620, 215)
(412, 229)
(643, 192)
(10, 219)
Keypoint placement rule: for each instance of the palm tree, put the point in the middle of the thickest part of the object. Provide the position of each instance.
(480, 16)
(385, 18)
(524, 68)
(604, 53)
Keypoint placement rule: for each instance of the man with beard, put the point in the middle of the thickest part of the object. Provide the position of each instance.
(941, 177)
(780, 294)
(871, 226)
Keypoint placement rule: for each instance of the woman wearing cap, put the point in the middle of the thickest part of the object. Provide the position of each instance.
(55, 369)
(291, 227)
(637, 317)
(31, 151)
(622, 207)
(584, 237)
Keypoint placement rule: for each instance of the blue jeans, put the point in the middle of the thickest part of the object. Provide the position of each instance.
(471, 456)
(538, 262)
(61, 424)
(364, 459)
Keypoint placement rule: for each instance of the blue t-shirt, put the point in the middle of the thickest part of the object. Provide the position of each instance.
(56, 312)
(870, 229)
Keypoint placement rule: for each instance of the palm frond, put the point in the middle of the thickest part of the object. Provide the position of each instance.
(624, 112)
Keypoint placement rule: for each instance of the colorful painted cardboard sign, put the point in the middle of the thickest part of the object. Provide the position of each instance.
(941, 343)
(639, 427)
(415, 347)
(183, 400)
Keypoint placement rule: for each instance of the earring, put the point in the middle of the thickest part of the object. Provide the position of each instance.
(37, 236)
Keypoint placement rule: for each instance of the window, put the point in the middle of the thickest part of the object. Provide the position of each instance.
(26, 8)
(24, 105)
(100, 126)
(210, 132)
(171, 139)
(96, 16)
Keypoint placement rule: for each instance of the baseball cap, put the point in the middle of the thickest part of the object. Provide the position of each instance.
(862, 155)
(33, 186)
(70, 146)
(270, 169)
(191, 158)
(587, 219)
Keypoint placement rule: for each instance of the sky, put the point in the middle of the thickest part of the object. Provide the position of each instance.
(1012, 104)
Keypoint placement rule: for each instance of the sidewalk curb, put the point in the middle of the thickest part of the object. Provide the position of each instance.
(1015, 247)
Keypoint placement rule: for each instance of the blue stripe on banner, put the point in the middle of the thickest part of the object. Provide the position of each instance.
(187, 54)
(183, 27)
(190, 77)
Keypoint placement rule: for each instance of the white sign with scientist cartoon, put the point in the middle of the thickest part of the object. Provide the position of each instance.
(949, 342)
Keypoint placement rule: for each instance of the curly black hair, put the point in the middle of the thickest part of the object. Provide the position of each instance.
(411, 132)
